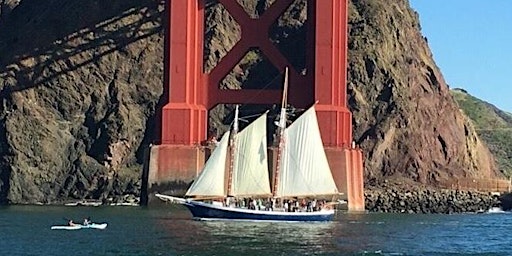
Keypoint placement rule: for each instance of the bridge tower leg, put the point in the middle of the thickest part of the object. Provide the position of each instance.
(178, 156)
(191, 93)
(329, 60)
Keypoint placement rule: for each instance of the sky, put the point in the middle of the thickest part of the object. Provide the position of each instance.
(471, 41)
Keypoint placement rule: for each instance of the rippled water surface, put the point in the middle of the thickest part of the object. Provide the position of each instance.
(169, 230)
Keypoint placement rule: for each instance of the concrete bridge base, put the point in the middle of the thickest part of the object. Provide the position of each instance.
(172, 168)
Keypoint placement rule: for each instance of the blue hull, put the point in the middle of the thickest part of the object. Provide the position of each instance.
(208, 211)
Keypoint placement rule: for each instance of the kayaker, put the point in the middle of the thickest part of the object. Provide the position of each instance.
(71, 223)
(87, 221)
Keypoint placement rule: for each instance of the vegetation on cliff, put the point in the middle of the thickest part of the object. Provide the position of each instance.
(493, 125)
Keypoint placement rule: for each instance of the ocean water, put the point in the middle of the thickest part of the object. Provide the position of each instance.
(169, 230)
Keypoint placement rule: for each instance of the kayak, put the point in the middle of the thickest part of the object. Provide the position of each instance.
(78, 226)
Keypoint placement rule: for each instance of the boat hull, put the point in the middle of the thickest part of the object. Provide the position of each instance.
(205, 211)
(77, 227)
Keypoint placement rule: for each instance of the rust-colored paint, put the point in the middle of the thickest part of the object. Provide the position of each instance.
(191, 92)
(330, 69)
(183, 118)
(249, 39)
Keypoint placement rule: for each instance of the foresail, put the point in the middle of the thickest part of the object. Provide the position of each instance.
(304, 170)
(250, 169)
(210, 181)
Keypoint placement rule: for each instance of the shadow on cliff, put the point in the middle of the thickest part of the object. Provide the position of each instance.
(57, 30)
(38, 34)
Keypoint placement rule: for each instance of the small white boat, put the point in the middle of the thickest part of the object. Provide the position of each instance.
(84, 203)
(124, 204)
(79, 226)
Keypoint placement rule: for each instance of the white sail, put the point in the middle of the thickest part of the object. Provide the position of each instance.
(304, 169)
(210, 181)
(250, 169)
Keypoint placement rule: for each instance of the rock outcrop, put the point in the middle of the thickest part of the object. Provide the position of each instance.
(81, 81)
(424, 200)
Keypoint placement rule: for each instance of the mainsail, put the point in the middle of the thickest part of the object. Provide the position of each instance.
(304, 169)
(210, 181)
(250, 168)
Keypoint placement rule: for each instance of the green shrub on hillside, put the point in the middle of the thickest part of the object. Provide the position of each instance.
(493, 125)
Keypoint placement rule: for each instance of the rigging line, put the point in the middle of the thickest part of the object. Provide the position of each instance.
(266, 86)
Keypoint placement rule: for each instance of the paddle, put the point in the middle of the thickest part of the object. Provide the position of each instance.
(87, 221)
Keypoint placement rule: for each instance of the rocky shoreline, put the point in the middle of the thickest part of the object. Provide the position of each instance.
(427, 200)
(413, 199)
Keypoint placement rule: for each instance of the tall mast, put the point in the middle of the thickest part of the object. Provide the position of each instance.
(232, 153)
(235, 122)
(282, 116)
(281, 126)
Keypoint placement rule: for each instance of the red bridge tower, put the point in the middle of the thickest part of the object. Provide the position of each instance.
(191, 93)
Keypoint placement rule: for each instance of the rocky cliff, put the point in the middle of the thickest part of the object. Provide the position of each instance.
(81, 81)
(404, 116)
(79, 85)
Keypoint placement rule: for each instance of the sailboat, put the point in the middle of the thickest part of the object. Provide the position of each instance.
(302, 172)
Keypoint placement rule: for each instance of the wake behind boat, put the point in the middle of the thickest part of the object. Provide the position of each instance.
(301, 181)
(79, 226)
